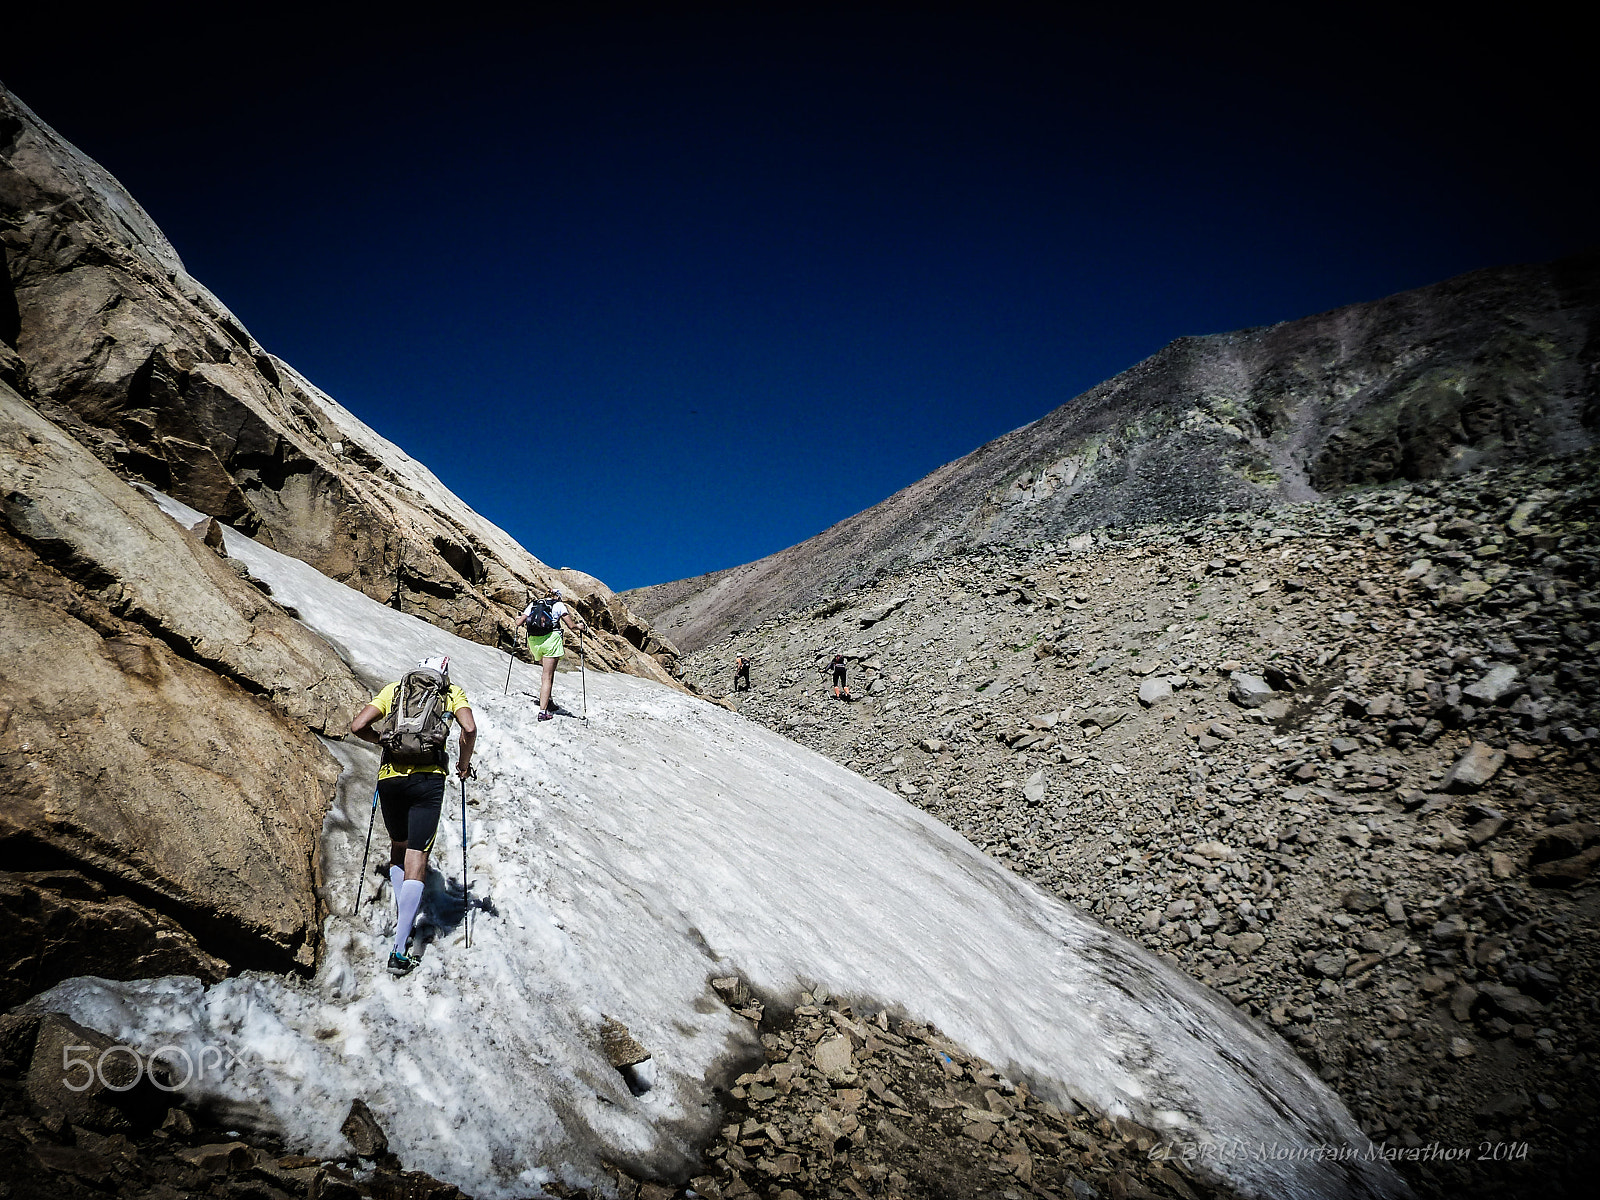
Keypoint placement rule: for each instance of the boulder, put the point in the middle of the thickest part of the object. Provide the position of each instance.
(61, 923)
(1033, 788)
(1509, 1003)
(86, 1078)
(1474, 768)
(1566, 872)
(1153, 691)
(882, 612)
(145, 768)
(1498, 681)
(832, 1055)
(1248, 691)
(1564, 841)
(362, 1131)
(218, 1158)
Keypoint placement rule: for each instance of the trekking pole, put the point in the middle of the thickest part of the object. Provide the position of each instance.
(360, 883)
(510, 662)
(466, 898)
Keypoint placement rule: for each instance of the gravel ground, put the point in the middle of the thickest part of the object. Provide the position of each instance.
(1336, 760)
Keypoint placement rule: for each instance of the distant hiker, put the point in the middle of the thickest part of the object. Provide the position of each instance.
(415, 714)
(543, 620)
(741, 672)
(839, 683)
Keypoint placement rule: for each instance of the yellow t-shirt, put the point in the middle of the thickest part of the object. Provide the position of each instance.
(455, 698)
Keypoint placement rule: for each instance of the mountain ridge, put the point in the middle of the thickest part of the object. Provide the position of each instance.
(1490, 367)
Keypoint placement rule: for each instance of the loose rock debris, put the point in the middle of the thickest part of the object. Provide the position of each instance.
(849, 1105)
(1365, 781)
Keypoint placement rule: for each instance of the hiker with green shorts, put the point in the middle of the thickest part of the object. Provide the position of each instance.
(543, 620)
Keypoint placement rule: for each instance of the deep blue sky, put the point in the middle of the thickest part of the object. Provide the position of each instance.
(662, 295)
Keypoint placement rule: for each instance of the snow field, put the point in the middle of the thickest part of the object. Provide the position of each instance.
(629, 860)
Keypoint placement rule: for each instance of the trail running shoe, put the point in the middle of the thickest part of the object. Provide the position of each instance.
(402, 964)
(544, 716)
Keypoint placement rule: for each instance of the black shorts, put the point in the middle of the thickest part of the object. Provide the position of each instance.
(411, 805)
(838, 677)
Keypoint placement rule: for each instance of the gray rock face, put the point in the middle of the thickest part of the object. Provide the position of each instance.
(1487, 368)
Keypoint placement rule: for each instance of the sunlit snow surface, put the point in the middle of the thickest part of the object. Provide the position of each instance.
(634, 857)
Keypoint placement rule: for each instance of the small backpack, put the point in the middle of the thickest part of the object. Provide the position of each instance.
(541, 618)
(417, 727)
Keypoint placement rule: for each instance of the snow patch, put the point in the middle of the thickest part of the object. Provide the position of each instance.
(628, 860)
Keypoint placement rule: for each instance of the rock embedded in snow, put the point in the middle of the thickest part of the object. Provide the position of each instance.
(621, 1048)
(362, 1131)
(81, 1077)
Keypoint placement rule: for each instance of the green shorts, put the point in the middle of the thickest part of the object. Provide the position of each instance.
(548, 646)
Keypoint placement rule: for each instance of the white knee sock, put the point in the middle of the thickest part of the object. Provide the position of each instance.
(410, 900)
(397, 876)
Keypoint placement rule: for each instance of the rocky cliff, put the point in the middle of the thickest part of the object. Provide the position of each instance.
(106, 334)
(164, 787)
(1493, 367)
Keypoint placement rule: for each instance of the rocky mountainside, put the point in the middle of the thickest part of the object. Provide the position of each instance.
(164, 788)
(1493, 367)
(1337, 761)
(105, 334)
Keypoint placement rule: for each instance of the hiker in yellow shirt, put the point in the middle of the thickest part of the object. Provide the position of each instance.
(411, 778)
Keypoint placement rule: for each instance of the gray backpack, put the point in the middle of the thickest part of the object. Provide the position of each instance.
(417, 727)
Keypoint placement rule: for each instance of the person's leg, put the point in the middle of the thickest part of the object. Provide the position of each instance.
(397, 872)
(392, 796)
(427, 799)
(547, 684)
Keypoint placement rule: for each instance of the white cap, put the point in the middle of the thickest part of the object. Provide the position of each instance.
(440, 664)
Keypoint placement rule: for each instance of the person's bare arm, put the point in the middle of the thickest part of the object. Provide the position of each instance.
(362, 725)
(570, 616)
(469, 739)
